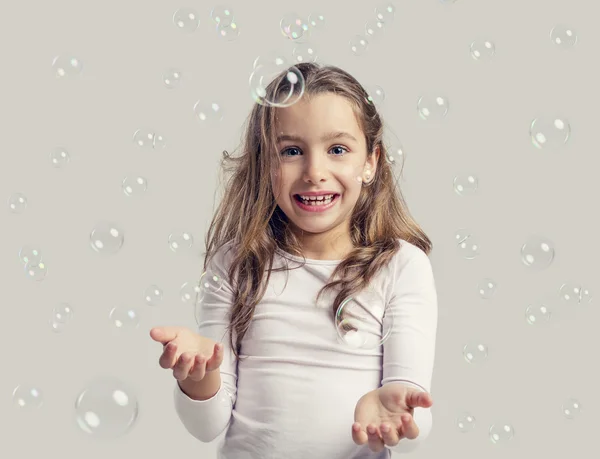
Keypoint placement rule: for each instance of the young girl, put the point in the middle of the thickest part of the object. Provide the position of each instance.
(283, 385)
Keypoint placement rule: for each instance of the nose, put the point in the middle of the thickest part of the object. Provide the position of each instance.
(315, 169)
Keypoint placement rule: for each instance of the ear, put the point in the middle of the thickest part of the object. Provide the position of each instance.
(373, 160)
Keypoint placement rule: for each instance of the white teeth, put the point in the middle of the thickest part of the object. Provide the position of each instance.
(317, 201)
(317, 198)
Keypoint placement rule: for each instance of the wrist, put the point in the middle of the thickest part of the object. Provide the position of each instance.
(203, 389)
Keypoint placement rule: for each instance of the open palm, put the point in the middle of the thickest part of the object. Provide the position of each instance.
(384, 416)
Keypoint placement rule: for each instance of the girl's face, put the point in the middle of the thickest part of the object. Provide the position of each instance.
(322, 149)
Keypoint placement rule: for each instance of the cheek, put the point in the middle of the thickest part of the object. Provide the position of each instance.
(350, 179)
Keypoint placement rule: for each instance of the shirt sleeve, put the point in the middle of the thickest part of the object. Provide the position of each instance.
(409, 351)
(207, 419)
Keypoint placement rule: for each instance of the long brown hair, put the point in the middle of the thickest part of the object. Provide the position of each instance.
(249, 217)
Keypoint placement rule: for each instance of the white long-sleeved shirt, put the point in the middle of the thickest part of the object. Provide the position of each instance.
(294, 394)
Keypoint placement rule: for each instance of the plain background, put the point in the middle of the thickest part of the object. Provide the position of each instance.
(126, 47)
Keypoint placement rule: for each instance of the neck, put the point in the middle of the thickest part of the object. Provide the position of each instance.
(325, 247)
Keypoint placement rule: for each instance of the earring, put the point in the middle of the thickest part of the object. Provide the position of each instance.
(367, 176)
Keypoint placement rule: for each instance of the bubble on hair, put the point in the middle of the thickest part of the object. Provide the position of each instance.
(275, 83)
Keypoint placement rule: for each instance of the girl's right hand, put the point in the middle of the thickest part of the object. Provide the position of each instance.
(189, 354)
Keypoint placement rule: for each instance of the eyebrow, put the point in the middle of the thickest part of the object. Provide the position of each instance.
(333, 135)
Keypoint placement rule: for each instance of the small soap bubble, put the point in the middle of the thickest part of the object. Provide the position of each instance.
(385, 12)
(153, 295)
(374, 29)
(106, 408)
(36, 270)
(210, 282)
(571, 408)
(467, 244)
(17, 203)
(123, 318)
(28, 397)
(574, 293)
(475, 353)
(134, 186)
(363, 322)
(172, 78)
(304, 52)
(501, 432)
(537, 252)
(486, 288)
(191, 292)
(107, 237)
(295, 27)
(359, 45)
(230, 32)
(465, 422)
(395, 156)
(563, 36)
(482, 50)
(208, 113)
(30, 254)
(466, 184)
(186, 19)
(180, 241)
(433, 108)
(66, 66)
(222, 15)
(59, 157)
(376, 95)
(288, 82)
(550, 132)
(316, 21)
(61, 316)
(538, 313)
(394, 149)
(148, 139)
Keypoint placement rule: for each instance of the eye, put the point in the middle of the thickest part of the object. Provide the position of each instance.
(339, 147)
(284, 152)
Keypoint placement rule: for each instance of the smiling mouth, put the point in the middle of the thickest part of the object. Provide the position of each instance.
(322, 201)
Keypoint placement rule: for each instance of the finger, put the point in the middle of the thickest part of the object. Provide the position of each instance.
(389, 434)
(419, 399)
(375, 441)
(216, 359)
(164, 334)
(183, 366)
(167, 358)
(198, 370)
(359, 436)
(409, 427)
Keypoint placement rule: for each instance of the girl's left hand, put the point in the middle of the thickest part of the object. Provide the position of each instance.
(384, 416)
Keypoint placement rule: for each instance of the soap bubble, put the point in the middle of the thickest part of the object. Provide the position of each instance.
(537, 252)
(551, 132)
(17, 203)
(501, 432)
(433, 107)
(106, 408)
(186, 19)
(563, 36)
(475, 352)
(288, 82)
(61, 316)
(107, 237)
(65, 66)
(363, 322)
(26, 396)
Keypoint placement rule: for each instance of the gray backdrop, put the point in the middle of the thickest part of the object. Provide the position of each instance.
(524, 193)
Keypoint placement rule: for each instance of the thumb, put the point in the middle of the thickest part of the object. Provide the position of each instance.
(418, 399)
(164, 334)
